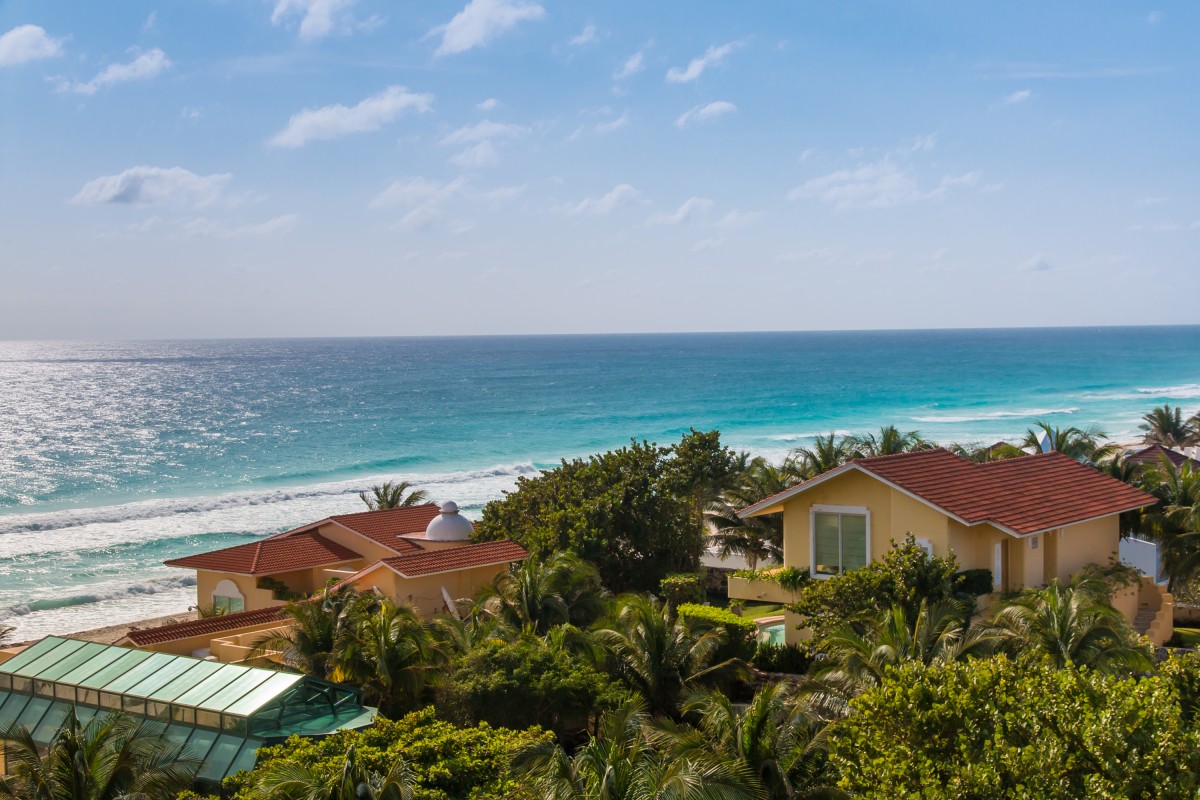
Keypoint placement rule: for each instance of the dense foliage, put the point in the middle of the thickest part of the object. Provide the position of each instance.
(685, 587)
(635, 513)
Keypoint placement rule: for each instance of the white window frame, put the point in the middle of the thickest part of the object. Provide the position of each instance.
(228, 591)
(820, 508)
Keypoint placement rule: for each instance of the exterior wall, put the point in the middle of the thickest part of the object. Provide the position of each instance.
(425, 592)
(255, 598)
(426, 544)
(193, 644)
(1094, 542)
(371, 551)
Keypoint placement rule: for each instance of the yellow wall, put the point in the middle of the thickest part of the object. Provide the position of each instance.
(255, 598)
(368, 548)
(1092, 542)
(426, 592)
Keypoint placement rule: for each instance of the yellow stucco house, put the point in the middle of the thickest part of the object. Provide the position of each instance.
(421, 555)
(1027, 520)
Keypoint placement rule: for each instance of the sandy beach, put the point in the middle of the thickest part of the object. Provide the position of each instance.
(111, 634)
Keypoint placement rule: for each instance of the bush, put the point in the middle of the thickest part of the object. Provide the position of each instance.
(740, 633)
(781, 658)
(974, 582)
(682, 587)
(999, 728)
(788, 577)
(449, 763)
(526, 683)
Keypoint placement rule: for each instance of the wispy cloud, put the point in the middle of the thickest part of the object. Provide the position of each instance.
(317, 17)
(631, 66)
(711, 58)
(481, 131)
(586, 36)
(143, 67)
(1017, 97)
(488, 105)
(27, 43)
(144, 185)
(611, 125)
(690, 207)
(705, 245)
(621, 195)
(1155, 17)
(221, 230)
(410, 192)
(331, 122)
(738, 219)
(1037, 263)
(482, 21)
(478, 156)
(705, 113)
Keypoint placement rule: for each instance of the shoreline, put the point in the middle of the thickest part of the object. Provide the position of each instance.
(111, 634)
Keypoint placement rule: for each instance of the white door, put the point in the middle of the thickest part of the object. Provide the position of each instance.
(998, 567)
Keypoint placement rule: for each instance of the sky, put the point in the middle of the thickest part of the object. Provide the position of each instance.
(245, 168)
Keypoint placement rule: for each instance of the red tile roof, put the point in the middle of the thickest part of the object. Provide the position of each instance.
(429, 562)
(206, 626)
(386, 527)
(271, 556)
(1153, 456)
(1025, 495)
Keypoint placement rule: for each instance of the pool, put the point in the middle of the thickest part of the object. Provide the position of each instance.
(771, 634)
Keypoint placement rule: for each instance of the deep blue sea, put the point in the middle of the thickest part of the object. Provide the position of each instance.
(116, 456)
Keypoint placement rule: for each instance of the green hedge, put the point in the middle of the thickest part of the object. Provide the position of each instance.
(974, 582)
(682, 587)
(719, 617)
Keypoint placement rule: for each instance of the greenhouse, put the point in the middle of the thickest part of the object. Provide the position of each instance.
(222, 712)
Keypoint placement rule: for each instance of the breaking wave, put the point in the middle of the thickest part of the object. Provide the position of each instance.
(114, 593)
(993, 415)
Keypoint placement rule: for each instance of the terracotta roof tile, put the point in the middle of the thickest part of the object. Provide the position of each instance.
(272, 555)
(428, 562)
(1153, 455)
(386, 527)
(206, 626)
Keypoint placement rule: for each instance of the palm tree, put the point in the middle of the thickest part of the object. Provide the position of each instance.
(1084, 445)
(938, 633)
(1119, 467)
(538, 595)
(391, 652)
(659, 655)
(621, 764)
(285, 779)
(775, 739)
(1167, 427)
(113, 757)
(826, 453)
(391, 494)
(1175, 521)
(1072, 625)
(889, 441)
(757, 538)
(314, 629)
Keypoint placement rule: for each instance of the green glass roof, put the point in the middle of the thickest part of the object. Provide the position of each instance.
(222, 712)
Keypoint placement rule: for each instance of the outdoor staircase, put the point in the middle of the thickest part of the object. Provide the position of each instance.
(1143, 620)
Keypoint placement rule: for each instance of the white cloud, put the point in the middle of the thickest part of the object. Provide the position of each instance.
(27, 43)
(690, 207)
(316, 16)
(613, 124)
(1037, 263)
(738, 219)
(621, 195)
(707, 244)
(412, 192)
(220, 230)
(153, 185)
(1017, 97)
(586, 36)
(705, 113)
(711, 58)
(150, 22)
(330, 122)
(489, 104)
(478, 156)
(878, 185)
(419, 218)
(481, 21)
(631, 66)
(484, 130)
(144, 67)
(966, 179)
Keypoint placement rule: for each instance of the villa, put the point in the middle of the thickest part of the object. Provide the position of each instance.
(421, 555)
(1028, 520)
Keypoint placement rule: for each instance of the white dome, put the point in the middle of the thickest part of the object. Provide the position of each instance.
(449, 525)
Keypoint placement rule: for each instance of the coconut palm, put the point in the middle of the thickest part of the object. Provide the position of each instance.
(1167, 427)
(1071, 625)
(314, 627)
(285, 779)
(393, 494)
(938, 633)
(1175, 521)
(538, 595)
(391, 652)
(757, 538)
(659, 655)
(622, 764)
(1119, 467)
(1085, 445)
(889, 441)
(113, 757)
(826, 453)
(774, 738)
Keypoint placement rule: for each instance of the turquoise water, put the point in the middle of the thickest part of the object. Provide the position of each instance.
(773, 633)
(116, 456)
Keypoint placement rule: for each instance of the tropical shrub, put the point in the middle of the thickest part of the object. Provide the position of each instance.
(635, 513)
(683, 587)
(739, 633)
(1001, 728)
(789, 658)
(447, 762)
(525, 683)
(974, 582)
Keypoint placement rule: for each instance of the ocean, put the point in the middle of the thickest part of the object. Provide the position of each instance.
(116, 456)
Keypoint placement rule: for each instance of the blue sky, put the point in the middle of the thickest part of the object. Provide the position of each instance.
(351, 167)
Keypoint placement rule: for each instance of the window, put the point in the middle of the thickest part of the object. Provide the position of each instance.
(227, 598)
(839, 541)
